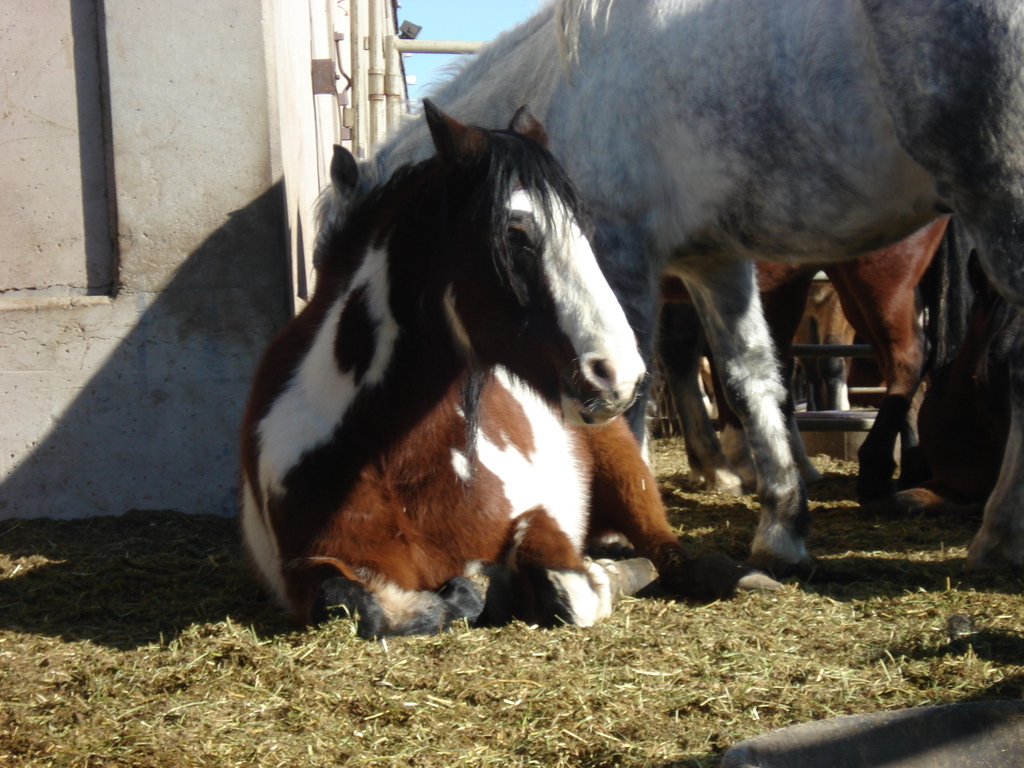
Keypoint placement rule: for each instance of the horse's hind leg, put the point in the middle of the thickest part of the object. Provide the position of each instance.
(878, 295)
(1001, 537)
(681, 346)
(784, 309)
(954, 86)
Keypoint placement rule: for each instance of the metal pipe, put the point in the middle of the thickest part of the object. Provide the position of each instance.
(835, 421)
(358, 125)
(393, 82)
(438, 46)
(831, 350)
(375, 75)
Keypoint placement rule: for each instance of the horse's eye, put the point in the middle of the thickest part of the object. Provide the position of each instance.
(524, 264)
(519, 240)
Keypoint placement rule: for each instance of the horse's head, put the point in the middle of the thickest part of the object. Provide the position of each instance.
(526, 291)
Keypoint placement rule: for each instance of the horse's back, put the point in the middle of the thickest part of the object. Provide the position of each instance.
(807, 130)
(761, 130)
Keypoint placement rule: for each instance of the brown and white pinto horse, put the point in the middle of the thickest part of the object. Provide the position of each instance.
(434, 410)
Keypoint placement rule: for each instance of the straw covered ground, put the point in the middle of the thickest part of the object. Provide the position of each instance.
(143, 641)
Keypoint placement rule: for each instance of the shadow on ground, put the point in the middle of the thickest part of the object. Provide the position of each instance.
(127, 581)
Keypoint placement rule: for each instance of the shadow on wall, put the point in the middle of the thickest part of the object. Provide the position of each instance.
(156, 427)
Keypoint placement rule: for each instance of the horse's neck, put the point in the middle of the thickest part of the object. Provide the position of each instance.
(413, 347)
(522, 66)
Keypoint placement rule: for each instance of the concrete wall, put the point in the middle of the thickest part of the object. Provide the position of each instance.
(130, 398)
(54, 223)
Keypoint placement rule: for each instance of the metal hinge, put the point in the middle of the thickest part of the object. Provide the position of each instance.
(324, 78)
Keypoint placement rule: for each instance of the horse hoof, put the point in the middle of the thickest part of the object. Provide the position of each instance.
(338, 598)
(921, 502)
(758, 580)
(462, 599)
(776, 569)
(705, 578)
(873, 489)
(627, 577)
(987, 552)
(726, 482)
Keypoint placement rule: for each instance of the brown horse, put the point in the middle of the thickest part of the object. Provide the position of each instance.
(878, 296)
(827, 378)
(964, 419)
(450, 402)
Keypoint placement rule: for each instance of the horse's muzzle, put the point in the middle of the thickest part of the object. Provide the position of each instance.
(589, 406)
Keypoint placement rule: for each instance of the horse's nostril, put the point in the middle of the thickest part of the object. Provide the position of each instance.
(602, 372)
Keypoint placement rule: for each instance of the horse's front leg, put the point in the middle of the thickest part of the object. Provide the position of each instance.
(625, 499)
(726, 296)
(546, 581)
(887, 318)
(1001, 537)
(632, 272)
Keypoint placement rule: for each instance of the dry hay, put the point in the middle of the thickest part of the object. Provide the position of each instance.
(142, 641)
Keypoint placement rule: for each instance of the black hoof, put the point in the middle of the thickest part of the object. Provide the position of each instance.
(870, 489)
(462, 598)
(339, 597)
(705, 578)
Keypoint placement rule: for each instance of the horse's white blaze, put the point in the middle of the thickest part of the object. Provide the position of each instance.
(588, 311)
(313, 404)
(551, 477)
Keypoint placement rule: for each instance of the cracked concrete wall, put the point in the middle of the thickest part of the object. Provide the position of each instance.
(133, 401)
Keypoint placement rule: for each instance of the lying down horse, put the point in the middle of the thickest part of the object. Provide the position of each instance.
(796, 130)
(450, 400)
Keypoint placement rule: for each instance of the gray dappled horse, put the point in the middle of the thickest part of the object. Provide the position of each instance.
(703, 134)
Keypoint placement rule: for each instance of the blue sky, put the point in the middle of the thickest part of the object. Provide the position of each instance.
(456, 20)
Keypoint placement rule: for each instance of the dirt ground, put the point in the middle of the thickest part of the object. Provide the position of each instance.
(143, 640)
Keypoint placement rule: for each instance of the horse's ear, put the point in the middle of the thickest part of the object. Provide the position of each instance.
(344, 171)
(525, 124)
(453, 140)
